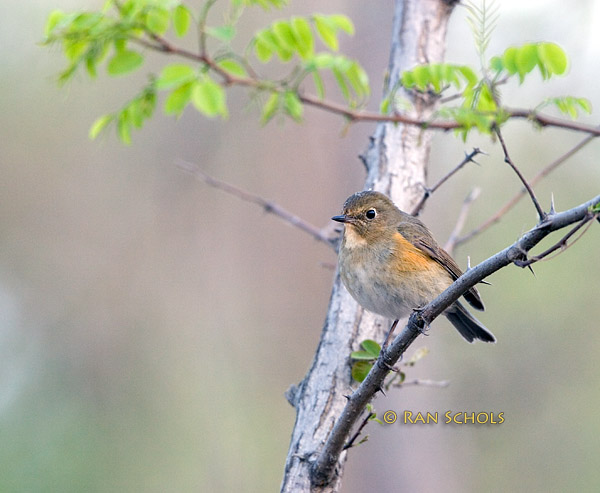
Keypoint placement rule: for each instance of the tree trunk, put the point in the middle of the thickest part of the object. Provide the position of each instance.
(396, 165)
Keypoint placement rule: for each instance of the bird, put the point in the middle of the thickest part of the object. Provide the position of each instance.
(391, 264)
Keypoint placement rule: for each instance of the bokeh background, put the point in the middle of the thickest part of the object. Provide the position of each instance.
(149, 325)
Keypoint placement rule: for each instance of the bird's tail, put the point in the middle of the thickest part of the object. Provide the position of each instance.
(468, 326)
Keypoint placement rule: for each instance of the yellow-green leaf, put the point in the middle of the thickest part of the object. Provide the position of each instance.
(270, 108)
(326, 32)
(303, 37)
(178, 99)
(157, 20)
(293, 106)
(209, 98)
(232, 67)
(553, 57)
(342, 22)
(124, 61)
(181, 20)
(175, 75)
(53, 19)
(99, 125)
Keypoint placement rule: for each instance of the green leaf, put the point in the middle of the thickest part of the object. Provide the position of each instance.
(262, 48)
(222, 33)
(157, 20)
(178, 99)
(319, 86)
(553, 57)
(303, 37)
(421, 76)
(293, 106)
(270, 108)
(284, 34)
(358, 80)
(174, 76)
(326, 31)
(508, 59)
(526, 59)
(181, 20)
(53, 19)
(124, 127)
(232, 67)
(496, 64)
(342, 22)
(360, 370)
(124, 61)
(209, 98)
(372, 347)
(361, 355)
(99, 125)
(341, 82)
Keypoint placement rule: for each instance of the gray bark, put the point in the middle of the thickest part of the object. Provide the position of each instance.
(396, 165)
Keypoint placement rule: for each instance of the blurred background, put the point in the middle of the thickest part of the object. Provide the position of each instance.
(150, 325)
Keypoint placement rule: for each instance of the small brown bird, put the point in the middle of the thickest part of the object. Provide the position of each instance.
(391, 265)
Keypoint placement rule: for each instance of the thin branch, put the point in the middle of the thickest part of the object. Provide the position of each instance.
(521, 193)
(562, 244)
(350, 442)
(421, 382)
(461, 220)
(267, 205)
(323, 467)
(509, 161)
(429, 191)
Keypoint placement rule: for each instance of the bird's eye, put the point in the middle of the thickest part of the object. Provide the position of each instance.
(371, 213)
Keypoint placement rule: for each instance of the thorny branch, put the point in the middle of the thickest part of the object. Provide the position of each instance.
(323, 466)
(562, 244)
(521, 193)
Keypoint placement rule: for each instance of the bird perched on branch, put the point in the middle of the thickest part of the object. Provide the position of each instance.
(391, 265)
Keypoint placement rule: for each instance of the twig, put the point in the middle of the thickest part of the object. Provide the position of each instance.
(429, 191)
(508, 160)
(350, 442)
(521, 193)
(461, 220)
(420, 382)
(323, 467)
(267, 205)
(561, 244)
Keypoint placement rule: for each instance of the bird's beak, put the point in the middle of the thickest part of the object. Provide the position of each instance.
(341, 219)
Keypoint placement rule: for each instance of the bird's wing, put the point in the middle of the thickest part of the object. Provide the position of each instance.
(424, 241)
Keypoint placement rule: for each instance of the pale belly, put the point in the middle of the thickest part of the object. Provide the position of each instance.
(393, 295)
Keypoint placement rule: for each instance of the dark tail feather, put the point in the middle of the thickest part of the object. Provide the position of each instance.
(468, 326)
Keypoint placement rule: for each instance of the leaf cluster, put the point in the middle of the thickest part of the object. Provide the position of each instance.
(120, 35)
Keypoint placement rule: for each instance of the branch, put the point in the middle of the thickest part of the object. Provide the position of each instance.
(429, 191)
(267, 205)
(562, 243)
(323, 467)
(163, 45)
(521, 193)
(508, 160)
